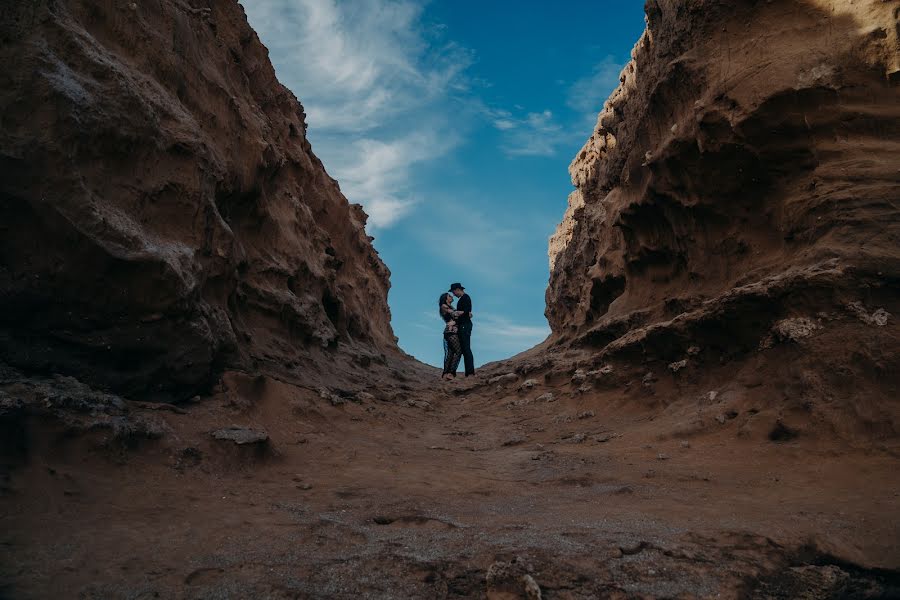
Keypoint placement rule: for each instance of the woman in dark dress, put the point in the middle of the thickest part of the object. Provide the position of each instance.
(452, 348)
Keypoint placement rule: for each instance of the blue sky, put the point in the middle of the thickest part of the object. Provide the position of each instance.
(453, 123)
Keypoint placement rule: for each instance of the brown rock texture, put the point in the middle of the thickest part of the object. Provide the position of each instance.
(162, 214)
(745, 171)
(715, 415)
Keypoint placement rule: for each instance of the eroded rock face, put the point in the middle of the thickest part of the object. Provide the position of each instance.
(162, 214)
(744, 171)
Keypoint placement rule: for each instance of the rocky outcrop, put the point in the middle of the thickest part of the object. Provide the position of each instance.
(737, 208)
(744, 170)
(162, 214)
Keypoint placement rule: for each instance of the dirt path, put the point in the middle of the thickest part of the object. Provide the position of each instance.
(404, 499)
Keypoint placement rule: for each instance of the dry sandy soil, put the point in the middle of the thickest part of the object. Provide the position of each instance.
(443, 490)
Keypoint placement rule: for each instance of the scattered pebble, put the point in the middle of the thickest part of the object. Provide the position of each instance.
(878, 318)
(677, 366)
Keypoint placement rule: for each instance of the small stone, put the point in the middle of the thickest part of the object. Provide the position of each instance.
(685, 444)
(648, 379)
(662, 456)
(878, 318)
(532, 589)
(423, 404)
(510, 580)
(578, 438)
(712, 395)
(603, 437)
(304, 486)
(241, 436)
(548, 397)
(503, 379)
(364, 397)
(693, 350)
(585, 388)
(334, 399)
(720, 419)
(579, 376)
(528, 384)
(677, 366)
(794, 329)
(586, 414)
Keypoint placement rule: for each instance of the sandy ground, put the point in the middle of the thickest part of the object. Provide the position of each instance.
(376, 499)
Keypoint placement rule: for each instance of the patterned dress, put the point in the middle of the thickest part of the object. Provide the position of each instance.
(452, 347)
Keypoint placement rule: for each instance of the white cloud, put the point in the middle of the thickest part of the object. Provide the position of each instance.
(378, 170)
(507, 335)
(371, 76)
(541, 133)
(587, 95)
(486, 246)
(530, 134)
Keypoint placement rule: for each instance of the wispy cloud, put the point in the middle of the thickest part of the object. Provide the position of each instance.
(527, 133)
(506, 334)
(482, 244)
(372, 76)
(587, 94)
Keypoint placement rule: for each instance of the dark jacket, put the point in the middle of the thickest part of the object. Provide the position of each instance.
(464, 304)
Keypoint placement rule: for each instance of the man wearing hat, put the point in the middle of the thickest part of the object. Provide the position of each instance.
(464, 324)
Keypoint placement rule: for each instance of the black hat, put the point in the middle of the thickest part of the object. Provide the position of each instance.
(453, 286)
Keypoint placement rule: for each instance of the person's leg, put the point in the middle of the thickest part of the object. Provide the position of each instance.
(465, 341)
(448, 357)
(455, 354)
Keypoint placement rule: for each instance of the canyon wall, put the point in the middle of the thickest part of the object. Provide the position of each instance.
(162, 214)
(740, 190)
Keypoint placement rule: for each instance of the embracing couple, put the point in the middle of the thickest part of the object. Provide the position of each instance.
(457, 330)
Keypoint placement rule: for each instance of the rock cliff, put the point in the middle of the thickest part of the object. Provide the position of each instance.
(741, 190)
(162, 214)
